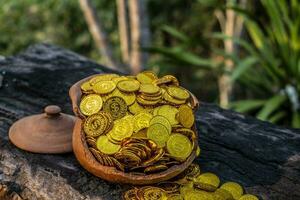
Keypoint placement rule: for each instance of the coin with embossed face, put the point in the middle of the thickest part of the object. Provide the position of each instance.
(95, 125)
(116, 106)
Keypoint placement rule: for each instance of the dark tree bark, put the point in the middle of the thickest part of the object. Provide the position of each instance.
(263, 157)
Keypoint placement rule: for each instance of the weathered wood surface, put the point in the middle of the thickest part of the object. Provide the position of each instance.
(262, 157)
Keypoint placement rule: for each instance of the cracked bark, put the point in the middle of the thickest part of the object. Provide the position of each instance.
(263, 157)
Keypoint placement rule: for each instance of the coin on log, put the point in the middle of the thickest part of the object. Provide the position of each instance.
(234, 189)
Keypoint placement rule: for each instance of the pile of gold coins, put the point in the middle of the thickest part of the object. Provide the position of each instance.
(142, 124)
(190, 185)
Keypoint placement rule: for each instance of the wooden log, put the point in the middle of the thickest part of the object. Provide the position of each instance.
(263, 157)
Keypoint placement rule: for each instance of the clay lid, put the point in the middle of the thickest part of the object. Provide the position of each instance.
(49, 132)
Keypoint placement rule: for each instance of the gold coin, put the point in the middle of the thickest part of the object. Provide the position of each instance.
(95, 125)
(146, 102)
(104, 87)
(178, 92)
(146, 77)
(169, 187)
(152, 193)
(106, 147)
(122, 129)
(207, 181)
(155, 168)
(136, 108)
(129, 97)
(149, 88)
(179, 146)
(234, 189)
(186, 116)
(167, 79)
(116, 106)
(102, 77)
(142, 120)
(161, 120)
(156, 157)
(130, 85)
(116, 80)
(172, 100)
(175, 197)
(221, 194)
(130, 194)
(86, 86)
(248, 197)
(91, 104)
(159, 134)
(169, 112)
(198, 195)
(192, 171)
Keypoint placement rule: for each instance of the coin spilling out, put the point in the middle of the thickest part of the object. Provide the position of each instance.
(141, 123)
(190, 185)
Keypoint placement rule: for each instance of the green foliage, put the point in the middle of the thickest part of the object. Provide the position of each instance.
(274, 73)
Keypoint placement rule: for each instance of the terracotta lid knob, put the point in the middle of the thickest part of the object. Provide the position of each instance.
(52, 110)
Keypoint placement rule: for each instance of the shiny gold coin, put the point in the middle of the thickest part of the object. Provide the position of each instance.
(186, 116)
(207, 181)
(116, 106)
(102, 77)
(129, 97)
(106, 147)
(179, 146)
(198, 195)
(172, 100)
(91, 104)
(178, 92)
(141, 121)
(167, 79)
(159, 134)
(234, 189)
(104, 87)
(86, 86)
(169, 112)
(136, 108)
(221, 194)
(116, 80)
(131, 194)
(130, 85)
(95, 125)
(161, 120)
(146, 102)
(149, 88)
(248, 197)
(146, 77)
(122, 129)
(152, 193)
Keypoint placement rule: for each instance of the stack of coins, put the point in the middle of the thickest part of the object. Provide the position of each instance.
(142, 124)
(190, 185)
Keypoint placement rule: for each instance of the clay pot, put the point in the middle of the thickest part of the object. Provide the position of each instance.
(87, 160)
(49, 132)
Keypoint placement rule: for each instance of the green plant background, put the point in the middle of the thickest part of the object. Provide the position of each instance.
(185, 41)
